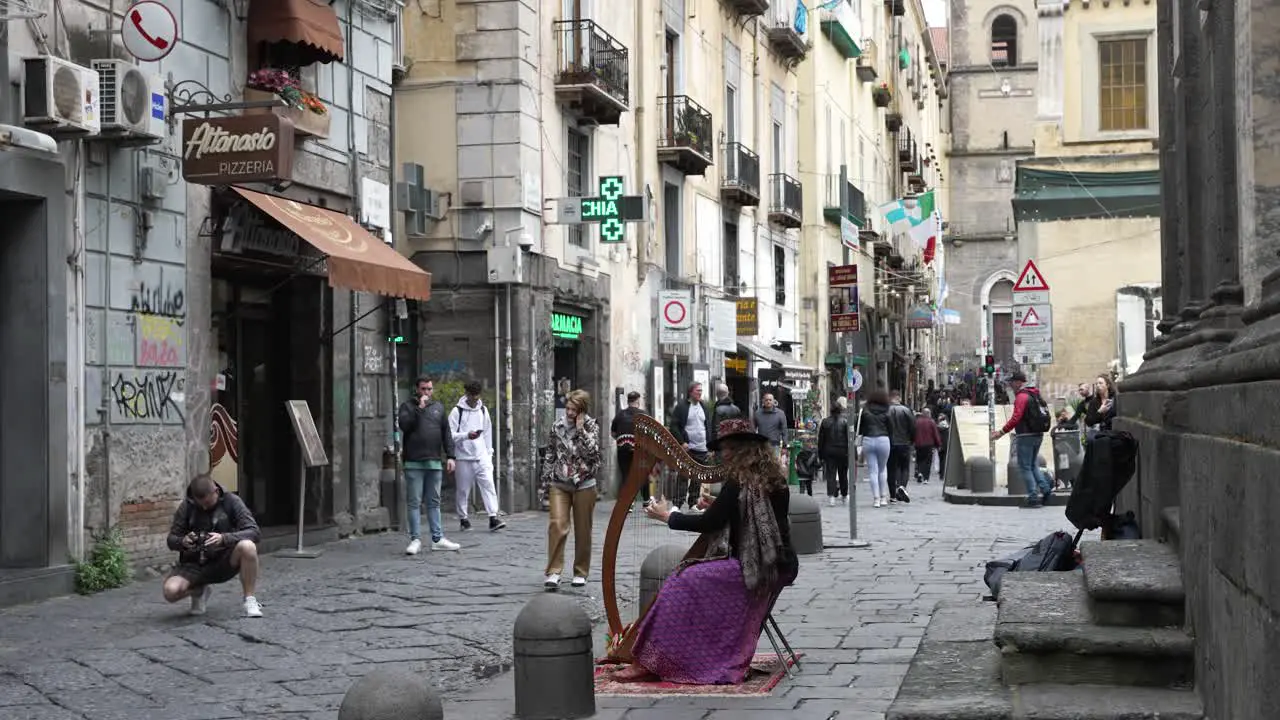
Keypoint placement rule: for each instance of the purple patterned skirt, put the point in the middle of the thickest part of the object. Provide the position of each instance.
(703, 627)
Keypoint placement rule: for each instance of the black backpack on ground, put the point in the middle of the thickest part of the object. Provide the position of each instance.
(1110, 462)
(1054, 552)
(1036, 416)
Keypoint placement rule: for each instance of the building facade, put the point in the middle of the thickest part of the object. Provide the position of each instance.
(191, 282)
(531, 107)
(993, 77)
(1200, 404)
(873, 96)
(1088, 203)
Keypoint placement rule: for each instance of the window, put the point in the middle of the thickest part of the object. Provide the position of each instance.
(778, 161)
(779, 276)
(731, 279)
(1122, 87)
(1004, 41)
(671, 228)
(731, 113)
(577, 177)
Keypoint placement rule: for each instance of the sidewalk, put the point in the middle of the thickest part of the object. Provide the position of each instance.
(125, 655)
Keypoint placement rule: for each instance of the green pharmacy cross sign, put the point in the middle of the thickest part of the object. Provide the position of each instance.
(611, 209)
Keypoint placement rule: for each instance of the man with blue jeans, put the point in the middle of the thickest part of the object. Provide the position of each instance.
(428, 452)
(1029, 423)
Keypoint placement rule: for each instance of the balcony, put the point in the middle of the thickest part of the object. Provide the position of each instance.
(788, 30)
(908, 153)
(748, 8)
(786, 201)
(893, 121)
(741, 182)
(684, 135)
(592, 71)
(831, 202)
(836, 25)
(867, 62)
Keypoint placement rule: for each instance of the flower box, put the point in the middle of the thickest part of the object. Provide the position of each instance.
(882, 97)
(305, 122)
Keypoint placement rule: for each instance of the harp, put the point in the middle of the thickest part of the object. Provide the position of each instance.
(631, 535)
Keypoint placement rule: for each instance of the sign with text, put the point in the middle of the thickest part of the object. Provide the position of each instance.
(238, 149)
(722, 325)
(566, 327)
(304, 428)
(675, 317)
(1033, 333)
(842, 298)
(748, 317)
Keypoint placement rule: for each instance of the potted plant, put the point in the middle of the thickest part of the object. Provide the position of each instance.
(882, 95)
(305, 109)
(893, 121)
(690, 127)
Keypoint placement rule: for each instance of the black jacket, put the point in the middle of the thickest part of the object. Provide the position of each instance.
(623, 427)
(902, 425)
(680, 417)
(726, 410)
(426, 431)
(833, 437)
(875, 420)
(230, 518)
(725, 511)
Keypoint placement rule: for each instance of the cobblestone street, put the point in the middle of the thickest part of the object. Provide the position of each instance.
(856, 614)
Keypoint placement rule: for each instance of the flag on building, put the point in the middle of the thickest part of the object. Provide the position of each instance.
(895, 213)
(925, 236)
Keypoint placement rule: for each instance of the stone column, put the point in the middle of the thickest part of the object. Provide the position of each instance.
(1049, 65)
(1172, 268)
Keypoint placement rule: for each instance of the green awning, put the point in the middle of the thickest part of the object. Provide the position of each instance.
(835, 32)
(1049, 195)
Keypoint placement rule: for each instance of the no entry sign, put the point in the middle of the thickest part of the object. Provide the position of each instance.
(675, 317)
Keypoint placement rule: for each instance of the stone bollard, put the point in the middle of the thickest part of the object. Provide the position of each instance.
(1018, 484)
(554, 667)
(657, 565)
(391, 694)
(981, 473)
(805, 515)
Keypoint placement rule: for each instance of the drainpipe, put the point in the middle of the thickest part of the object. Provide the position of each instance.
(642, 242)
(105, 408)
(75, 264)
(353, 495)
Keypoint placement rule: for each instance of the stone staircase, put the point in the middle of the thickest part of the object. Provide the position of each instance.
(1105, 643)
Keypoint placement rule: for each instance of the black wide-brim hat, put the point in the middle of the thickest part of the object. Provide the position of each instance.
(736, 429)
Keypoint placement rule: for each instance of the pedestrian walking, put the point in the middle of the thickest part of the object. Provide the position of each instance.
(771, 422)
(428, 453)
(693, 424)
(472, 431)
(873, 427)
(1029, 423)
(725, 408)
(902, 436)
(570, 468)
(927, 440)
(623, 431)
(833, 451)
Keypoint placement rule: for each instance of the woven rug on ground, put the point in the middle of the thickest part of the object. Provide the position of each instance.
(767, 670)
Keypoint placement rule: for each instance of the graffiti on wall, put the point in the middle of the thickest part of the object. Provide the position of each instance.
(159, 298)
(147, 396)
(160, 341)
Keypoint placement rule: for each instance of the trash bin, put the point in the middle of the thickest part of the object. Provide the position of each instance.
(793, 451)
(1068, 455)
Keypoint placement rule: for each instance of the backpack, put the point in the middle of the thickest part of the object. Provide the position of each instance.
(1110, 462)
(1036, 416)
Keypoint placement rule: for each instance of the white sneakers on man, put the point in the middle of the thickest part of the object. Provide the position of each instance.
(200, 603)
(252, 608)
(579, 581)
(445, 544)
(552, 582)
(415, 545)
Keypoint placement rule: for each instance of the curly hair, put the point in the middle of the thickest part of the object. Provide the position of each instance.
(755, 465)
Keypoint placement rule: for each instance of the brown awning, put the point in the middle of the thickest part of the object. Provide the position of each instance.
(311, 25)
(357, 260)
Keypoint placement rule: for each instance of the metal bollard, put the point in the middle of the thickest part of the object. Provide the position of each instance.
(655, 569)
(805, 515)
(391, 694)
(554, 667)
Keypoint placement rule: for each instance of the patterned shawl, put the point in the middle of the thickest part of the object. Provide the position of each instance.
(760, 545)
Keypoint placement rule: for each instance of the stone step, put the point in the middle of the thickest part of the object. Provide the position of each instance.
(955, 675)
(1135, 583)
(1047, 634)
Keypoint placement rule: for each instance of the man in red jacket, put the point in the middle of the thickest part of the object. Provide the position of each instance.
(1029, 423)
(927, 440)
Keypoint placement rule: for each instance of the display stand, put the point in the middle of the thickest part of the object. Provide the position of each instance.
(311, 454)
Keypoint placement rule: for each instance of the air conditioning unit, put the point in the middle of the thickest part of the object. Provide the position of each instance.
(134, 104)
(59, 98)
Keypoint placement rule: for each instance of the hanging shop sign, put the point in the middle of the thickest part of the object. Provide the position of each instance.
(241, 149)
(748, 317)
(842, 298)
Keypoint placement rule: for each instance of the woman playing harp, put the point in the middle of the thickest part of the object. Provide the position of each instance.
(703, 627)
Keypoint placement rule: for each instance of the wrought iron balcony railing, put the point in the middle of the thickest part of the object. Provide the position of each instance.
(741, 171)
(684, 124)
(587, 55)
(786, 200)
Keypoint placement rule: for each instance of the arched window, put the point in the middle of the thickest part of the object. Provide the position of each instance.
(1004, 41)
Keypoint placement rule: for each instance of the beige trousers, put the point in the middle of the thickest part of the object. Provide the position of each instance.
(576, 508)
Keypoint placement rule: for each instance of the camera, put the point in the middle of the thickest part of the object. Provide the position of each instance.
(198, 540)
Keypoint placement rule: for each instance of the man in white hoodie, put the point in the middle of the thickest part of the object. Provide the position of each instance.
(472, 432)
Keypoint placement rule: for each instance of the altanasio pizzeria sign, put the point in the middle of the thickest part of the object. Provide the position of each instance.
(233, 150)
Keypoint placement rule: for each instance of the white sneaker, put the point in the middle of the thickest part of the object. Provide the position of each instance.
(579, 581)
(252, 608)
(552, 582)
(200, 603)
(414, 546)
(831, 502)
(445, 544)
(875, 504)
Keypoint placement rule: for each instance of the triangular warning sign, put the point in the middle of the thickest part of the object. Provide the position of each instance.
(1031, 318)
(1030, 280)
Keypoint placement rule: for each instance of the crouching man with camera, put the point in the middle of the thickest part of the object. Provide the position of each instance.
(216, 537)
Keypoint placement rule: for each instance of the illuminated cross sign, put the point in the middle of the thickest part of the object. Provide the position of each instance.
(611, 209)
(564, 326)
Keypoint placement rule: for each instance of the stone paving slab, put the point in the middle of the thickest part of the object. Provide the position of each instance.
(856, 614)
